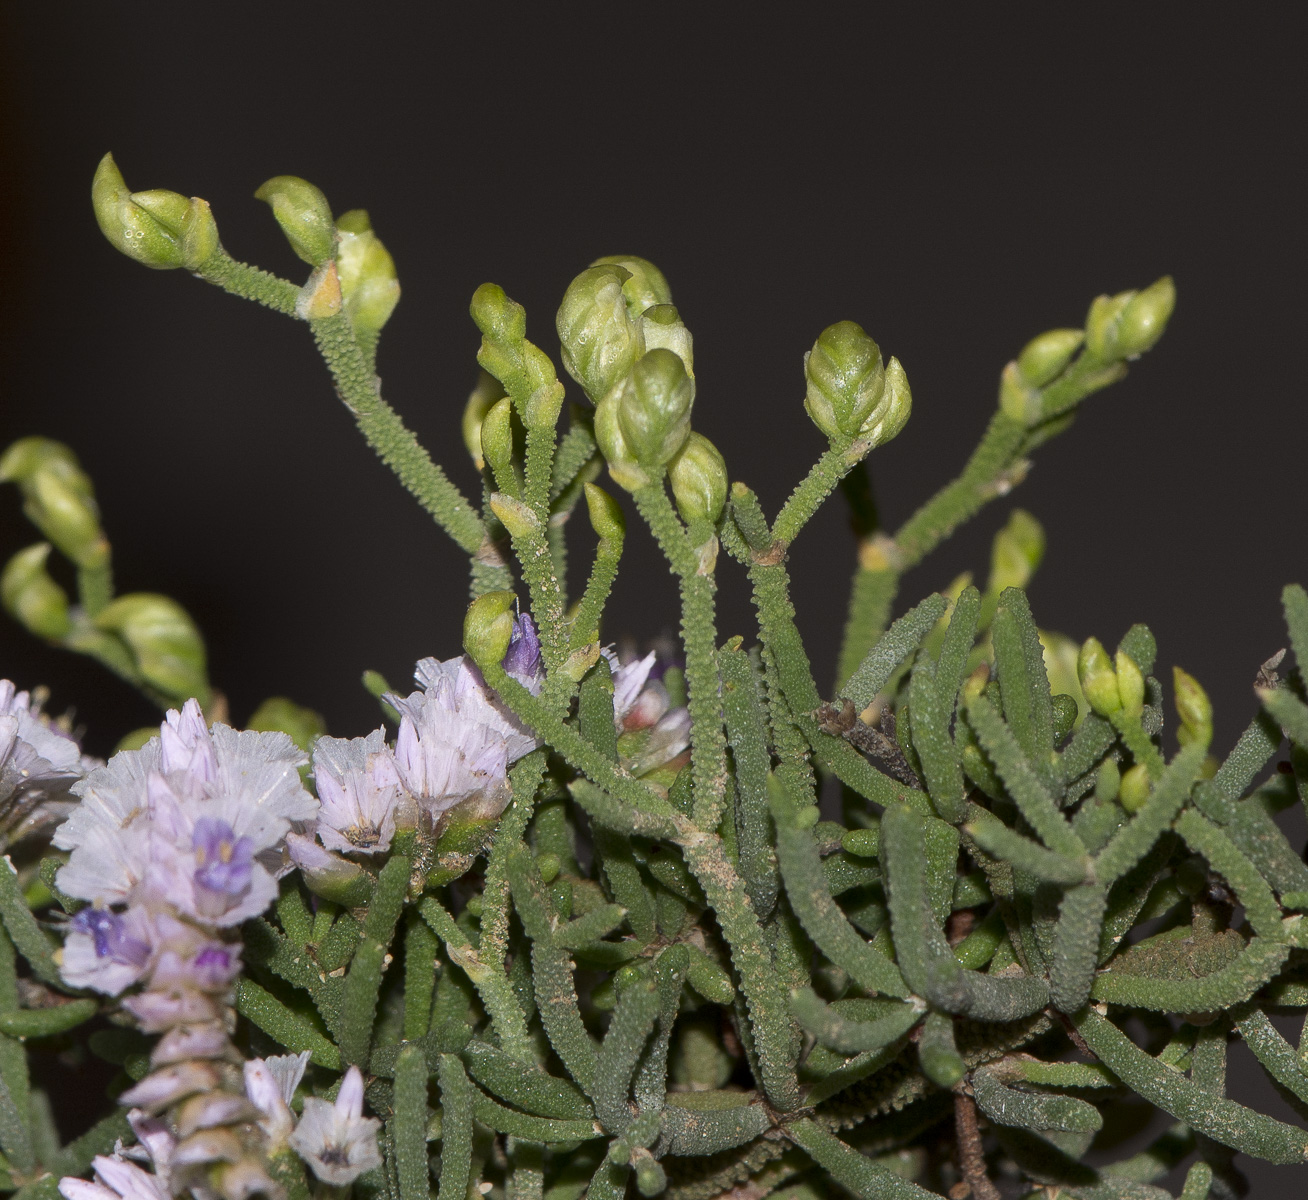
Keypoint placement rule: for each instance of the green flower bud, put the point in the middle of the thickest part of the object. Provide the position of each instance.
(277, 714)
(517, 517)
(163, 639)
(1019, 399)
(1134, 790)
(58, 498)
(369, 285)
(481, 400)
(1193, 708)
(304, 215)
(645, 285)
(654, 405)
(1016, 552)
(31, 597)
(1044, 358)
(1108, 780)
(549, 865)
(497, 436)
(600, 340)
(1130, 684)
(158, 228)
(891, 415)
(1128, 324)
(488, 626)
(606, 517)
(1145, 318)
(626, 471)
(662, 328)
(865, 843)
(698, 475)
(1098, 679)
(846, 379)
(1060, 655)
(499, 318)
(651, 1178)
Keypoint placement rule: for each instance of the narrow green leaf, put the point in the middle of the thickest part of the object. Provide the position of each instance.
(595, 709)
(1223, 1120)
(31, 941)
(821, 917)
(894, 646)
(596, 924)
(410, 1123)
(847, 1036)
(456, 1129)
(44, 1022)
(1023, 683)
(629, 1029)
(671, 970)
(287, 1028)
(655, 818)
(1076, 945)
(1294, 600)
(937, 1052)
(853, 1171)
(525, 1086)
(363, 983)
(1033, 1110)
(1137, 837)
(1290, 712)
(1252, 751)
(536, 1129)
(701, 1123)
(1215, 992)
(997, 840)
(626, 884)
(935, 748)
(1089, 744)
(15, 1136)
(1198, 1182)
(421, 947)
(1024, 784)
(1278, 1057)
(1260, 907)
(746, 716)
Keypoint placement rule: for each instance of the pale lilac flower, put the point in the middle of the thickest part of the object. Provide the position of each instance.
(456, 741)
(337, 1141)
(105, 950)
(522, 660)
(115, 1180)
(161, 1088)
(358, 789)
(184, 819)
(38, 764)
(270, 1084)
(651, 732)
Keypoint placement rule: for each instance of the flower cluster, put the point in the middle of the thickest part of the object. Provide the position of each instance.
(39, 762)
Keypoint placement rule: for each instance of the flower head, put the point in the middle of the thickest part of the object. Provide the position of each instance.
(107, 951)
(337, 1141)
(183, 820)
(652, 733)
(358, 789)
(270, 1084)
(456, 741)
(38, 764)
(115, 1179)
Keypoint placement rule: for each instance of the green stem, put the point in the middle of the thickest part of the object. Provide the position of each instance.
(816, 486)
(393, 442)
(250, 283)
(708, 743)
(95, 588)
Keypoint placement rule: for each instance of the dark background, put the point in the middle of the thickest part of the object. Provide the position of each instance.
(956, 182)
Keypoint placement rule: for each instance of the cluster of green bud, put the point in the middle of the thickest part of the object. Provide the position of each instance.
(645, 420)
(158, 228)
(165, 643)
(1110, 685)
(304, 215)
(488, 626)
(850, 393)
(1129, 323)
(480, 401)
(58, 498)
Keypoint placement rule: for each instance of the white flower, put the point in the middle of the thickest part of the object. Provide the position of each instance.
(337, 1141)
(270, 1084)
(651, 732)
(358, 788)
(38, 764)
(182, 820)
(456, 741)
(107, 951)
(115, 1179)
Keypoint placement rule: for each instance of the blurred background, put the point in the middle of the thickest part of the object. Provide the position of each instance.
(954, 178)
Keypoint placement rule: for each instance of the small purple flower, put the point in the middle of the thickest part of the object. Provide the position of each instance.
(224, 863)
(108, 932)
(522, 659)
